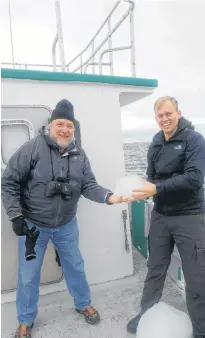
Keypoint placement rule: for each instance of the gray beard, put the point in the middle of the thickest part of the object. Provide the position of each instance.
(62, 146)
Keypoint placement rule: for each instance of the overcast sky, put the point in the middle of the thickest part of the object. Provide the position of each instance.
(169, 40)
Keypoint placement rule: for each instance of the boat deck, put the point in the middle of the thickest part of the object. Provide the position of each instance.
(117, 301)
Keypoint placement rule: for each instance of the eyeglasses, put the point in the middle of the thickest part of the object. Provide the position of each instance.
(165, 115)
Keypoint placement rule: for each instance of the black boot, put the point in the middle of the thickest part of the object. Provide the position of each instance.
(31, 238)
(133, 324)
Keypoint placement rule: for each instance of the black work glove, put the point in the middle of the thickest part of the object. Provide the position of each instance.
(31, 238)
(20, 226)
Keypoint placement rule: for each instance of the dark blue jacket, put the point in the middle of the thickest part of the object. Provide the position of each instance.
(177, 167)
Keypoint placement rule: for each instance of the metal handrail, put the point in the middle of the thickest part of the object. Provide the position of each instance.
(108, 51)
(96, 34)
(95, 64)
(26, 65)
(129, 12)
(84, 64)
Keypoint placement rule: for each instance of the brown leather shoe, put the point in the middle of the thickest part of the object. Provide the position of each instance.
(23, 331)
(91, 315)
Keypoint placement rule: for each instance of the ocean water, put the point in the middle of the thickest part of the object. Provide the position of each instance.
(135, 155)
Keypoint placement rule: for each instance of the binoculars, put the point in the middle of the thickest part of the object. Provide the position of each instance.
(60, 186)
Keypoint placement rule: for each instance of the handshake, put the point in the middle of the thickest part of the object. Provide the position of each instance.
(21, 228)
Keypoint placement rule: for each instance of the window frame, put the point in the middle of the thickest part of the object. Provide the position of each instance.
(10, 122)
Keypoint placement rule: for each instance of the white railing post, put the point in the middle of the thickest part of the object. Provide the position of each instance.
(132, 43)
(54, 53)
(11, 36)
(93, 59)
(110, 46)
(60, 36)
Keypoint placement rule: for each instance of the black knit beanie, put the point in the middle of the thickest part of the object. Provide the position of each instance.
(63, 110)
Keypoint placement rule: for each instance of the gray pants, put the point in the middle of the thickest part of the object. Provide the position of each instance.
(188, 233)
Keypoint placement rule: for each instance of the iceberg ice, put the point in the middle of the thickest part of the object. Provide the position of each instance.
(164, 321)
(126, 184)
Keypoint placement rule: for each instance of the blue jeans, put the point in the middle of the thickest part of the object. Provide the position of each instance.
(65, 240)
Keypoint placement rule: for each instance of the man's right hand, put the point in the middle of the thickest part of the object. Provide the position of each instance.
(20, 226)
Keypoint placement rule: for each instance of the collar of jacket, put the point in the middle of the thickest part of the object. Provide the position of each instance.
(180, 135)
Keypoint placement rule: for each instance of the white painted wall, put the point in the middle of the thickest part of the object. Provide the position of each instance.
(97, 108)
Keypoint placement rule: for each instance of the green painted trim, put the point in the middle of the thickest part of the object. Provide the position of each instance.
(179, 274)
(7, 73)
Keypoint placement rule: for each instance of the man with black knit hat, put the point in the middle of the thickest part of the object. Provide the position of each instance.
(176, 170)
(63, 110)
(41, 187)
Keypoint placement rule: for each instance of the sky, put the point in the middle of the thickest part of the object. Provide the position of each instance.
(169, 42)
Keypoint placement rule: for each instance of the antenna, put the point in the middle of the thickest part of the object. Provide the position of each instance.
(11, 35)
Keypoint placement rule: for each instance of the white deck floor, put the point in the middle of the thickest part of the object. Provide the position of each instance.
(116, 301)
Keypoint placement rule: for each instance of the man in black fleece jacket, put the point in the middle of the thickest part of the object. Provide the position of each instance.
(175, 179)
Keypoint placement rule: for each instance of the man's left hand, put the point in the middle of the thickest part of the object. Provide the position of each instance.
(113, 199)
(149, 189)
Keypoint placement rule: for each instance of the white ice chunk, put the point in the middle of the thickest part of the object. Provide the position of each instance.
(164, 321)
(126, 184)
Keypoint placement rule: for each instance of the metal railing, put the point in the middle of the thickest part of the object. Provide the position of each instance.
(27, 65)
(91, 60)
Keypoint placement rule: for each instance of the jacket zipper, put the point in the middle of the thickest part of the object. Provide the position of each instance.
(163, 146)
(59, 205)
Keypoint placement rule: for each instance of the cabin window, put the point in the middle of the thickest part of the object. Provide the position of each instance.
(14, 133)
